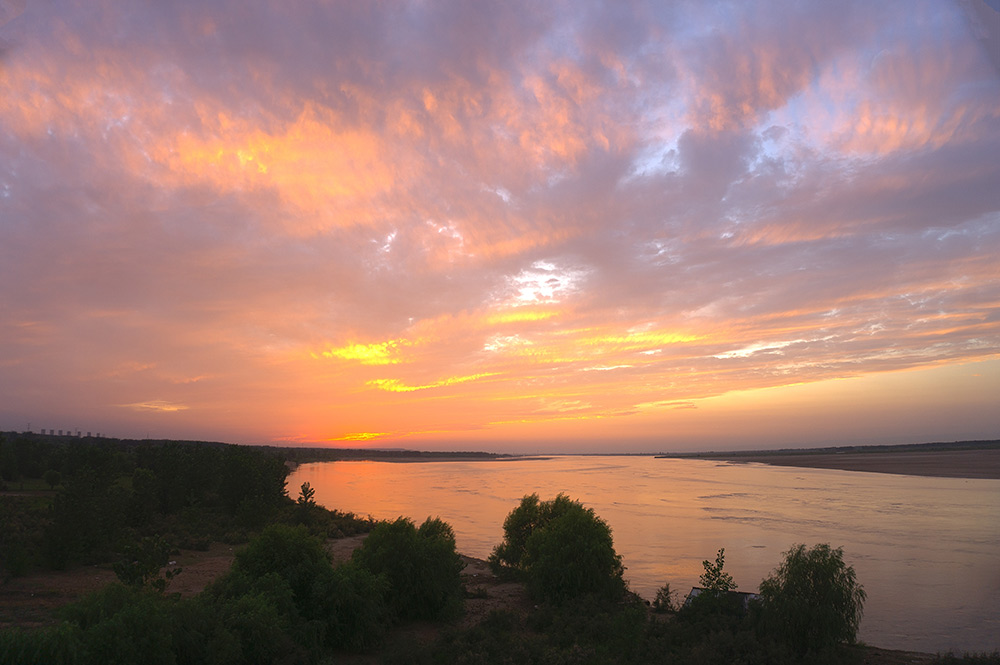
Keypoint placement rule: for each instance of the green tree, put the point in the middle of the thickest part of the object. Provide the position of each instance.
(141, 563)
(52, 478)
(286, 573)
(421, 565)
(714, 580)
(289, 552)
(517, 528)
(561, 549)
(812, 601)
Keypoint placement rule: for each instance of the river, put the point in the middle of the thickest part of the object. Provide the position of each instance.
(925, 549)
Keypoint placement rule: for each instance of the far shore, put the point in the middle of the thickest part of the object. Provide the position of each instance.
(979, 463)
(979, 459)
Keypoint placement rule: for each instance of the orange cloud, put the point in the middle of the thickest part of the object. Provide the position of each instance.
(329, 171)
(360, 436)
(157, 405)
(396, 386)
(382, 353)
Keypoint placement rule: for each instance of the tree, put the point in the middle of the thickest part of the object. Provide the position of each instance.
(561, 549)
(713, 579)
(665, 600)
(52, 478)
(307, 496)
(141, 562)
(812, 601)
(421, 565)
(283, 598)
(517, 528)
(305, 505)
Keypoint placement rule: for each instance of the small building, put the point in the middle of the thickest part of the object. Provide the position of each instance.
(745, 598)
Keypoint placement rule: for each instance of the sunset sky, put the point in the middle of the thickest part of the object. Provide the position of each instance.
(537, 226)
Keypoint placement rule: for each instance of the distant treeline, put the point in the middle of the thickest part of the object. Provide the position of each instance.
(305, 455)
(298, 454)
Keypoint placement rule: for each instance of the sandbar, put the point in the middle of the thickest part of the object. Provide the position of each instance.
(981, 463)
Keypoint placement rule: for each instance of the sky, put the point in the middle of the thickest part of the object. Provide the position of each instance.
(512, 226)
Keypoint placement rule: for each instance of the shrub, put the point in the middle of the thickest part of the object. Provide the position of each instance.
(813, 600)
(120, 624)
(421, 565)
(665, 600)
(351, 602)
(263, 621)
(41, 646)
(561, 549)
(289, 552)
(267, 597)
(141, 563)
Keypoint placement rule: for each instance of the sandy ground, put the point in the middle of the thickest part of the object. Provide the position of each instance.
(942, 464)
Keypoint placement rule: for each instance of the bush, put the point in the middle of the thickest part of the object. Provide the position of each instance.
(141, 562)
(666, 600)
(561, 549)
(284, 596)
(812, 601)
(421, 565)
(289, 552)
(351, 602)
(41, 646)
(120, 624)
(260, 625)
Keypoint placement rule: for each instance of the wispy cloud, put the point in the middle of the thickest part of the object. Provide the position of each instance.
(157, 405)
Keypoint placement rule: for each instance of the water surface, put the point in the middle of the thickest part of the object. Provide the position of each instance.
(925, 549)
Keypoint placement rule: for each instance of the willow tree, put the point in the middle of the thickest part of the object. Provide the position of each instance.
(813, 601)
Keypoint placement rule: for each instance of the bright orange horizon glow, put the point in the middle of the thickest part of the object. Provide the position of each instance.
(508, 228)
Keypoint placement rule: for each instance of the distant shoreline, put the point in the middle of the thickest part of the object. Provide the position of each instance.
(980, 461)
(956, 459)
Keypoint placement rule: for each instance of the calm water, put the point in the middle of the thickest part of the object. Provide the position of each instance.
(925, 549)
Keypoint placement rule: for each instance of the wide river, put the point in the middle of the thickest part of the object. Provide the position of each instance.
(927, 550)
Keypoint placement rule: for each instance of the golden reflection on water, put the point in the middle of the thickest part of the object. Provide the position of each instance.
(924, 548)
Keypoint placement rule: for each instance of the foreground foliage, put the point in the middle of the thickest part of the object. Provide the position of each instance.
(281, 602)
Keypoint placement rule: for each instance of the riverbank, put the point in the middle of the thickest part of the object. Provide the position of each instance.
(941, 464)
(970, 459)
